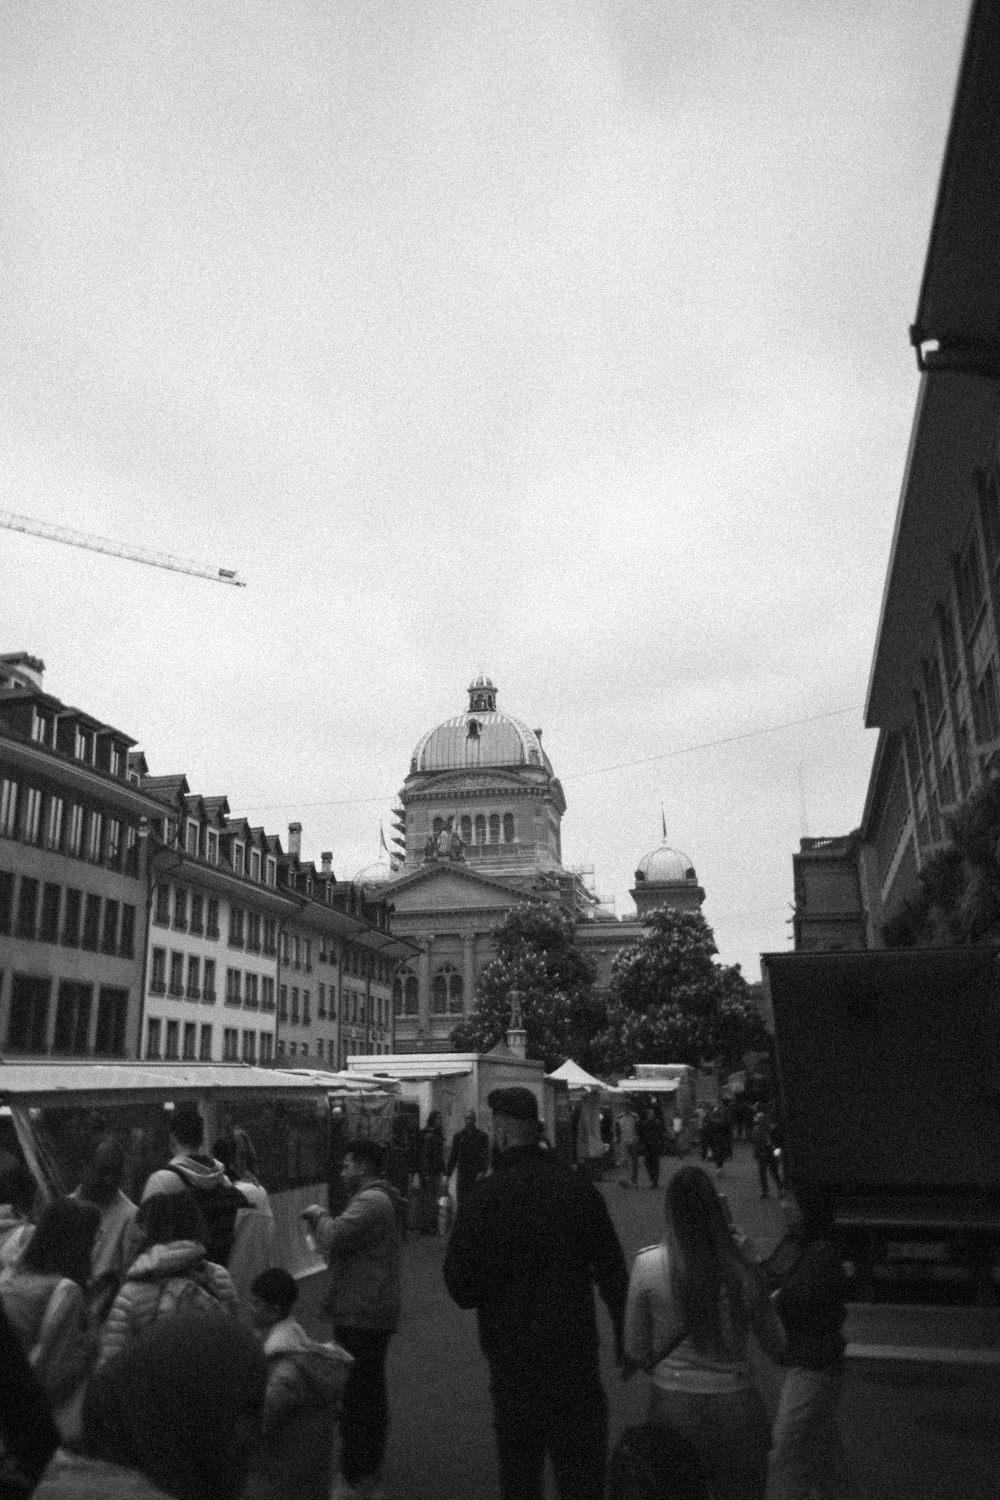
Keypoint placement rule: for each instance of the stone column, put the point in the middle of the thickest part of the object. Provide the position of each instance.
(424, 981)
(468, 969)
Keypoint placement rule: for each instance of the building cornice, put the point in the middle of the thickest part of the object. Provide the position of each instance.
(76, 775)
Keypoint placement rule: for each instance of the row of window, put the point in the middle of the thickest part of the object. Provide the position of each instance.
(41, 817)
(447, 994)
(482, 829)
(92, 747)
(203, 842)
(50, 913)
(72, 1028)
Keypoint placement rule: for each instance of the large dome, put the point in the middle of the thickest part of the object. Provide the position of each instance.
(378, 873)
(666, 866)
(483, 736)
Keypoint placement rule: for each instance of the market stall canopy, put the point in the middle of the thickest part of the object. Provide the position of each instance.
(576, 1077)
(99, 1082)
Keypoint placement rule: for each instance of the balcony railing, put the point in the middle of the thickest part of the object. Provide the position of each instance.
(208, 997)
(157, 986)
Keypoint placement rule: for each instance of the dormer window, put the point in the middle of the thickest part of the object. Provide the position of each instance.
(473, 729)
(82, 745)
(272, 871)
(255, 864)
(192, 836)
(212, 846)
(238, 858)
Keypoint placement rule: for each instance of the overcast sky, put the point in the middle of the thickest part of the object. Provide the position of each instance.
(565, 338)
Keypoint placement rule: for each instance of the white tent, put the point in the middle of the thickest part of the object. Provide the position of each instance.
(576, 1077)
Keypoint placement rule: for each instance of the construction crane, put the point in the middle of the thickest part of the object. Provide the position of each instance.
(90, 543)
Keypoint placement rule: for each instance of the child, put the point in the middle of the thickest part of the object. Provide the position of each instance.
(304, 1384)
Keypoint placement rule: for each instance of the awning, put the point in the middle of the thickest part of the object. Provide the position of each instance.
(95, 1083)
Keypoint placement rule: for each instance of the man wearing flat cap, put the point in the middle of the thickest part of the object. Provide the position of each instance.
(529, 1243)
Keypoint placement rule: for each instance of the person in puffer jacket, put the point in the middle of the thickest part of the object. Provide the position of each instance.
(170, 1275)
(304, 1384)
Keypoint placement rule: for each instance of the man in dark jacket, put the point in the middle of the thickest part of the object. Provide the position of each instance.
(470, 1153)
(528, 1244)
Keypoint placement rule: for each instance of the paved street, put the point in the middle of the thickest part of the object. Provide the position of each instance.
(915, 1431)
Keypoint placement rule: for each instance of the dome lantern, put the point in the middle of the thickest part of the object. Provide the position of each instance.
(482, 695)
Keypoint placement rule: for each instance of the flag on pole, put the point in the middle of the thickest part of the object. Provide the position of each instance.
(663, 821)
(381, 839)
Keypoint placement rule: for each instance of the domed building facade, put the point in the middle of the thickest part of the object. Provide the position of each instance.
(666, 877)
(480, 818)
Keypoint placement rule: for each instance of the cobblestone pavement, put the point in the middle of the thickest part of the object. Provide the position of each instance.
(915, 1431)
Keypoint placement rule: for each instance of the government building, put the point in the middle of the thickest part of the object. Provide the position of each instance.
(480, 818)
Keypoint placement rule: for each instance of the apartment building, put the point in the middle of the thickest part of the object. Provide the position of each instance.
(72, 876)
(338, 960)
(216, 919)
(934, 688)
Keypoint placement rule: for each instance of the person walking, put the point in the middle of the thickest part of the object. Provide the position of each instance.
(254, 1227)
(304, 1383)
(525, 1253)
(430, 1172)
(651, 1141)
(363, 1304)
(693, 1300)
(172, 1273)
(190, 1171)
(628, 1140)
(43, 1297)
(101, 1185)
(174, 1417)
(469, 1156)
(807, 1272)
(762, 1144)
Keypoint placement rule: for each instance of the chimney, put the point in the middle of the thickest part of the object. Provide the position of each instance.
(326, 863)
(295, 840)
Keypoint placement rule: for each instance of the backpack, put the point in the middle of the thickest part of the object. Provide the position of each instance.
(219, 1206)
(185, 1295)
(652, 1462)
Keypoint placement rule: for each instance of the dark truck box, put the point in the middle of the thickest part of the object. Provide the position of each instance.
(889, 1078)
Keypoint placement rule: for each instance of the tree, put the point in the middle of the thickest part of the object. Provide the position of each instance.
(537, 954)
(671, 1002)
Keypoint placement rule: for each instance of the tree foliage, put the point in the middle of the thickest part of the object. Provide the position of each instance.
(537, 954)
(957, 895)
(671, 1001)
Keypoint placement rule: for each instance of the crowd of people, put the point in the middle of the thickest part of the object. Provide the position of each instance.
(152, 1350)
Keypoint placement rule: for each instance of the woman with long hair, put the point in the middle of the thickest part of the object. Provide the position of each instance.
(693, 1301)
(43, 1298)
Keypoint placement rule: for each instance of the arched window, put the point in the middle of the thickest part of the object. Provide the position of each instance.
(439, 995)
(438, 825)
(473, 729)
(508, 828)
(467, 830)
(480, 829)
(410, 995)
(494, 828)
(456, 991)
(397, 997)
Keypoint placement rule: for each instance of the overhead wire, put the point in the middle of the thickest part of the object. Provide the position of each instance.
(621, 765)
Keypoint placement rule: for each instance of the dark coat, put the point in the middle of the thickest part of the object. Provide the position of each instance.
(810, 1299)
(525, 1251)
(470, 1153)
